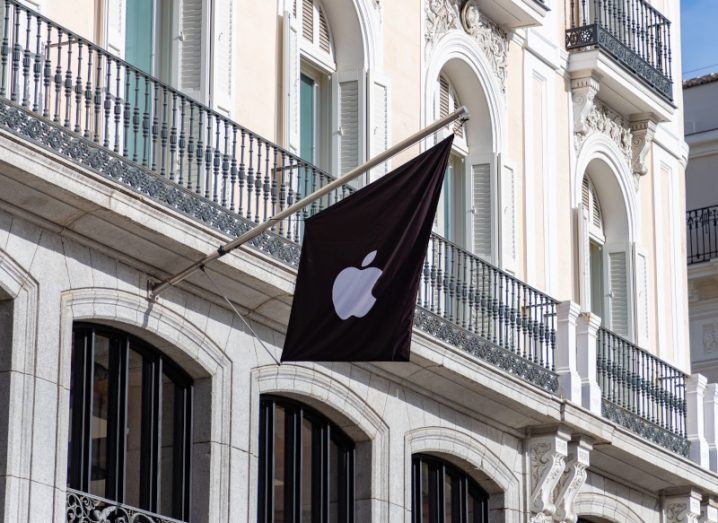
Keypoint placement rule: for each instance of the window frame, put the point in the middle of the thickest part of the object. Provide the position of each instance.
(439, 469)
(154, 365)
(295, 413)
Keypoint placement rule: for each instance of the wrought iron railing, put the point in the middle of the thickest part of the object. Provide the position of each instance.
(702, 234)
(66, 94)
(85, 508)
(635, 33)
(642, 392)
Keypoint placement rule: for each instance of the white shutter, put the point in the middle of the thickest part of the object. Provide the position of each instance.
(616, 281)
(116, 27)
(584, 255)
(380, 123)
(642, 292)
(509, 217)
(192, 62)
(291, 81)
(349, 116)
(222, 51)
(481, 176)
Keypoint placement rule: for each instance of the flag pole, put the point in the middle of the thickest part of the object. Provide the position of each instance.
(155, 289)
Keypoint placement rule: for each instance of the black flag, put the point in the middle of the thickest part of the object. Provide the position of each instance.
(360, 267)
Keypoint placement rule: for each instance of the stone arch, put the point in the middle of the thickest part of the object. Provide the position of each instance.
(189, 347)
(343, 406)
(605, 507)
(357, 21)
(459, 51)
(18, 355)
(475, 458)
(600, 152)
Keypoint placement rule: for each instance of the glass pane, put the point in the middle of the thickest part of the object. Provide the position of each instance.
(307, 118)
(334, 484)
(167, 446)
(306, 471)
(138, 34)
(448, 499)
(471, 516)
(279, 463)
(100, 416)
(133, 433)
(425, 505)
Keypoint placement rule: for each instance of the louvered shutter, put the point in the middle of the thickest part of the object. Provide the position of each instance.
(481, 176)
(116, 27)
(192, 59)
(509, 216)
(308, 20)
(616, 268)
(349, 104)
(643, 304)
(380, 123)
(291, 81)
(222, 51)
(584, 255)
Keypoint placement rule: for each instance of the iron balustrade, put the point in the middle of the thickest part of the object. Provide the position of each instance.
(485, 300)
(635, 33)
(65, 93)
(82, 507)
(702, 234)
(641, 391)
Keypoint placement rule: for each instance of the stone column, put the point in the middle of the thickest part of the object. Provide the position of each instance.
(695, 390)
(710, 414)
(682, 505)
(568, 377)
(587, 328)
(547, 455)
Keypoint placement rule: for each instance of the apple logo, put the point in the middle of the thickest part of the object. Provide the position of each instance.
(352, 288)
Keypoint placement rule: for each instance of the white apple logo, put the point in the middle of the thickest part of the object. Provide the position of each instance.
(351, 293)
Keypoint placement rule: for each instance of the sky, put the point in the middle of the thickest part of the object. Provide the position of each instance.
(699, 35)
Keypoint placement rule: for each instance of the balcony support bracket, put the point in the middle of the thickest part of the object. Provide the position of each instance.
(643, 129)
(583, 92)
(547, 453)
(573, 479)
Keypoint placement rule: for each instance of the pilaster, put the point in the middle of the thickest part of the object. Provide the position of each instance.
(566, 367)
(587, 330)
(695, 391)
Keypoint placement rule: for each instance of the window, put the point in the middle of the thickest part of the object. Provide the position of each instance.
(130, 412)
(596, 241)
(306, 466)
(441, 493)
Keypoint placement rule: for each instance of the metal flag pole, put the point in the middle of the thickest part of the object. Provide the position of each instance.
(461, 113)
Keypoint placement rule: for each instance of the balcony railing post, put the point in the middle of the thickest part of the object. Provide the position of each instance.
(587, 358)
(710, 414)
(569, 379)
(695, 428)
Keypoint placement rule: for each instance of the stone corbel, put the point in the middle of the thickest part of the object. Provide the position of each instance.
(682, 505)
(709, 510)
(547, 453)
(643, 129)
(572, 480)
(583, 93)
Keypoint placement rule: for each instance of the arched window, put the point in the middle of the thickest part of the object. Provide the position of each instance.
(440, 492)
(606, 258)
(130, 429)
(306, 465)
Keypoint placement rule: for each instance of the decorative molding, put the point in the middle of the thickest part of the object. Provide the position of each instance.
(642, 132)
(602, 119)
(443, 16)
(583, 93)
(547, 454)
(572, 480)
(684, 507)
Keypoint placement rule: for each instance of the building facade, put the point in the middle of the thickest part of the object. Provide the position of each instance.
(701, 122)
(550, 375)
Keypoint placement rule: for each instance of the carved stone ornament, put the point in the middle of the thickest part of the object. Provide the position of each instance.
(683, 507)
(443, 16)
(547, 455)
(573, 478)
(643, 132)
(710, 337)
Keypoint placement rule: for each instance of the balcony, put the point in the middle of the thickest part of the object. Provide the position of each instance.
(641, 392)
(627, 44)
(83, 507)
(702, 234)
